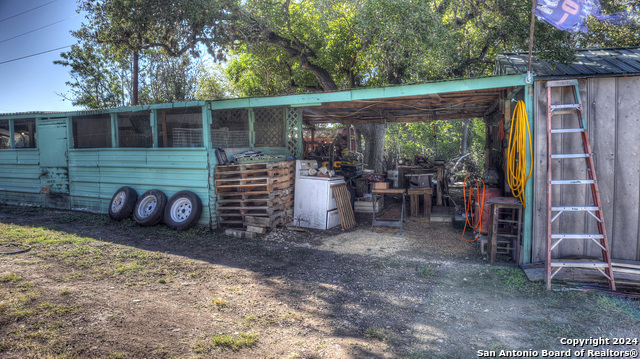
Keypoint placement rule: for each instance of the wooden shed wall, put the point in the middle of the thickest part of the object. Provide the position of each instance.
(612, 111)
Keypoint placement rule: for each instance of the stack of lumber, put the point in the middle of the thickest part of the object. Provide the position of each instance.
(255, 194)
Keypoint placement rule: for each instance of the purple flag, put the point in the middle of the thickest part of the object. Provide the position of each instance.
(571, 15)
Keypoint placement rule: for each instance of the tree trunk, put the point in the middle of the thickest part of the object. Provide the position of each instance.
(134, 91)
(374, 135)
(465, 136)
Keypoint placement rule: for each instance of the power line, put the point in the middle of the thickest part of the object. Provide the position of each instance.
(24, 12)
(32, 55)
(40, 28)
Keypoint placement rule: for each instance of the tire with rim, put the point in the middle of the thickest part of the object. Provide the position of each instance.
(183, 210)
(150, 208)
(122, 203)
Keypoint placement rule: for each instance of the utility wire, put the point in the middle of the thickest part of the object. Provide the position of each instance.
(32, 55)
(24, 12)
(34, 30)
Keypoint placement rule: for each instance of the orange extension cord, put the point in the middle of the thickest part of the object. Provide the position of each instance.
(468, 208)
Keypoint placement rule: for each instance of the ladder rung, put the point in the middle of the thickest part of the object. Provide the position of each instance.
(574, 208)
(577, 236)
(572, 182)
(567, 130)
(566, 106)
(571, 155)
(562, 83)
(579, 264)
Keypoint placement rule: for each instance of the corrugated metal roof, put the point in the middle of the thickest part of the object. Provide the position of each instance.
(618, 61)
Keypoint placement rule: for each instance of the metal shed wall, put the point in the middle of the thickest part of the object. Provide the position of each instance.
(612, 109)
(95, 175)
(20, 177)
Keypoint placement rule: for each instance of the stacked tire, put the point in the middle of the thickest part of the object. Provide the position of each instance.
(181, 212)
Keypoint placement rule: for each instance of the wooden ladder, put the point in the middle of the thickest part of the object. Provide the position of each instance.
(553, 266)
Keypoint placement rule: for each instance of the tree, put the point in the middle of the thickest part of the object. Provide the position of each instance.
(99, 76)
(283, 46)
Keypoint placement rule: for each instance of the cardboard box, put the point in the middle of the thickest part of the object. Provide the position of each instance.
(380, 185)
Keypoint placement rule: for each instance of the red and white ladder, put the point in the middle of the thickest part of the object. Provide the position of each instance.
(554, 213)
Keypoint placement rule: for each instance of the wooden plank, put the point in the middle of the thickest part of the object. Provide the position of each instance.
(624, 242)
(539, 174)
(343, 202)
(626, 264)
(601, 121)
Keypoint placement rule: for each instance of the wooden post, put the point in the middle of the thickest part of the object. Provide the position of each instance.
(439, 194)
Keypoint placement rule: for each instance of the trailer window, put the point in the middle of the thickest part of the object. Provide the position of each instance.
(92, 131)
(24, 133)
(134, 129)
(180, 127)
(230, 128)
(269, 127)
(5, 135)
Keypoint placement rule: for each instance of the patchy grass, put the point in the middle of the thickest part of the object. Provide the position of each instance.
(219, 302)
(374, 333)
(426, 272)
(221, 341)
(11, 277)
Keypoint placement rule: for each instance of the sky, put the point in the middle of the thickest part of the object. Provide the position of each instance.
(33, 83)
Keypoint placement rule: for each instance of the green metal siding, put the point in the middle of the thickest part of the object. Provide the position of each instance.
(95, 174)
(20, 177)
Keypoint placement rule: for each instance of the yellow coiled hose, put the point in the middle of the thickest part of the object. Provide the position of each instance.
(517, 175)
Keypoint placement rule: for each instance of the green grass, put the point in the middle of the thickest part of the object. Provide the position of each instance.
(11, 277)
(374, 333)
(219, 302)
(426, 272)
(233, 342)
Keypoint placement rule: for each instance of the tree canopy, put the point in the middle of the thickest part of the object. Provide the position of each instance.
(271, 47)
(284, 46)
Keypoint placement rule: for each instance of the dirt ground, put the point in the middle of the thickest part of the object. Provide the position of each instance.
(91, 287)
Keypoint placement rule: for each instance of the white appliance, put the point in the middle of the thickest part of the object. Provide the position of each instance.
(314, 204)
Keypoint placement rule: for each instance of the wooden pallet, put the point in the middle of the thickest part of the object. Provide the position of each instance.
(255, 196)
(267, 179)
(255, 166)
(253, 210)
(343, 201)
(249, 202)
(253, 188)
(277, 219)
(277, 172)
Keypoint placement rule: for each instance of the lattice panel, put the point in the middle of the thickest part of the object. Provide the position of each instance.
(294, 132)
(269, 127)
(230, 128)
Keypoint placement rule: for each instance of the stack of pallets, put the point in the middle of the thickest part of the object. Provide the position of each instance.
(255, 194)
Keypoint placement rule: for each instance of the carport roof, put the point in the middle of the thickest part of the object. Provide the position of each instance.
(436, 100)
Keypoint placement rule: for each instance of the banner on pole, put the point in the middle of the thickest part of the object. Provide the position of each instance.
(571, 15)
